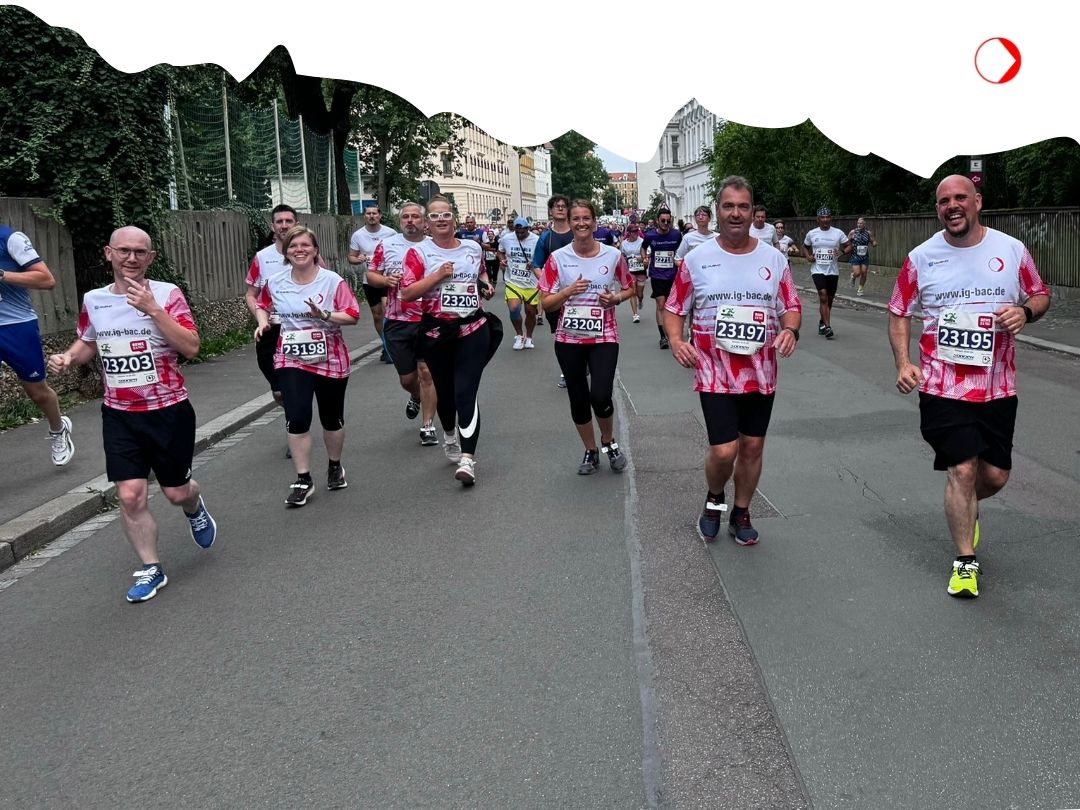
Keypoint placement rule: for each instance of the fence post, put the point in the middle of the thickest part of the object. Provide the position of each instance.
(277, 147)
(228, 151)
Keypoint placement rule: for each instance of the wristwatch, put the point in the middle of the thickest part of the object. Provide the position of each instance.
(1029, 316)
(1, 275)
(326, 314)
(793, 331)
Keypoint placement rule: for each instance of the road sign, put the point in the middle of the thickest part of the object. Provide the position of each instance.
(976, 179)
(975, 165)
(428, 189)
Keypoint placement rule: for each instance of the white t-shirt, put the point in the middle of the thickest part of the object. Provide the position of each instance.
(632, 252)
(365, 241)
(766, 234)
(691, 241)
(825, 247)
(519, 256)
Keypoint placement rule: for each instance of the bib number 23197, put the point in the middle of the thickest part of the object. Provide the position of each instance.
(966, 338)
(740, 330)
(459, 298)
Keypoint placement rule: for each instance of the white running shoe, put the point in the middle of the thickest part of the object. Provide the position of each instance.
(452, 448)
(529, 343)
(466, 471)
(519, 343)
(63, 448)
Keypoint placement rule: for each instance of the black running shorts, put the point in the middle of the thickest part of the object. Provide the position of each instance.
(400, 339)
(729, 415)
(373, 295)
(661, 287)
(824, 282)
(138, 442)
(958, 430)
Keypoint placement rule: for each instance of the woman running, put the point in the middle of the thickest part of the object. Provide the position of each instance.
(586, 280)
(312, 360)
(631, 250)
(456, 337)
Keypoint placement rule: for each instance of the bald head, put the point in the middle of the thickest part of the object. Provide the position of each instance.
(956, 180)
(958, 204)
(130, 232)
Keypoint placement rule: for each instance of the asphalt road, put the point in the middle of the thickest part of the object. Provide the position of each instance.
(546, 640)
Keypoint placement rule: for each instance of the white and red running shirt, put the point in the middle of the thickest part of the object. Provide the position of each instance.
(963, 355)
(458, 296)
(139, 369)
(307, 342)
(389, 260)
(825, 247)
(737, 300)
(583, 320)
(267, 262)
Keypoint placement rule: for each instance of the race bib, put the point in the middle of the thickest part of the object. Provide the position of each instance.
(824, 255)
(862, 250)
(966, 338)
(520, 274)
(306, 345)
(740, 330)
(634, 262)
(489, 255)
(459, 298)
(583, 321)
(663, 259)
(127, 363)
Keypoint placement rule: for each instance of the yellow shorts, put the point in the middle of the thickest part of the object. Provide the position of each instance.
(530, 295)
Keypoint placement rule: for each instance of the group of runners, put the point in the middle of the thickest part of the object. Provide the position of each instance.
(976, 287)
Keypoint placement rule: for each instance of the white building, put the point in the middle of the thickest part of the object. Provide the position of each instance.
(542, 173)
(678, 169)
(482, 184)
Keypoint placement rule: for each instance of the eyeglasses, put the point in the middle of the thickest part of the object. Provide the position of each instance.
(665, 221)
(440, 216)
(123, 253)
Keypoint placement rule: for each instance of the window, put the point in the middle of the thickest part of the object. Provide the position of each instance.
(447, 169)
(674, 150)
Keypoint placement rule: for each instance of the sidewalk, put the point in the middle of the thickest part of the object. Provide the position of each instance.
(1058, 330)
(41, 501)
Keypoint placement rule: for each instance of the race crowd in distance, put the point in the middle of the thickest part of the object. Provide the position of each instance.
(726, 308)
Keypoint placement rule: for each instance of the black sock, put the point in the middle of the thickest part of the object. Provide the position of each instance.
(333, 465)
(965, 558)
(305, 477)
(738, 510)
(660, 329)
(716, 498)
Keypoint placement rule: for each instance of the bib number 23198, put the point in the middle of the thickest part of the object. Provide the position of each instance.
(306, 345)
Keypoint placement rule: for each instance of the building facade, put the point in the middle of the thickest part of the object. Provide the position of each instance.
(542, 178)
(626, 192)
(481, 184)
(679, 170)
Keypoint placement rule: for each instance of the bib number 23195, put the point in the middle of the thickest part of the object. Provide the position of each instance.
(459, 298)
(966, 338)
(740, 330)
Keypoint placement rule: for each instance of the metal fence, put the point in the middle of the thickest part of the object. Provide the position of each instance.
(1051, 234)
(58, 308)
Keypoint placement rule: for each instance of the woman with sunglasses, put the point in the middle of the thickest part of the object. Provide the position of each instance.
(585, 281)
(457, 338)
(312, 361)
(631, 251)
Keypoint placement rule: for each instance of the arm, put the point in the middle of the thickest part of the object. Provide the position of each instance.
(1014, 318)
(77, 354)
(35, 277)
(908, 375)
(182, 338)
(374, 277)
(423, 284)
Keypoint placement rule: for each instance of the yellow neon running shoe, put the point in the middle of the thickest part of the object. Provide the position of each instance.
(964, 581)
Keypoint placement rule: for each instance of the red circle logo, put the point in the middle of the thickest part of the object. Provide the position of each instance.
(996, 265)
(765, 273)
(997, 60)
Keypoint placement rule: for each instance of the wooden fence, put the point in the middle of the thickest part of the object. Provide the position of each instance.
(58, 308)
(1051, 234)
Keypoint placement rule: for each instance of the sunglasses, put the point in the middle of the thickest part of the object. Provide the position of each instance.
(440, 216)
(664, 221)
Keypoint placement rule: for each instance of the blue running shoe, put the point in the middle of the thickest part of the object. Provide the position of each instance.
(147, 582)
(712, 515)
(203, 527)
(741, 530)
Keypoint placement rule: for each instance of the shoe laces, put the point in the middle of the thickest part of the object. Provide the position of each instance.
(199, 521)
(612, 450)
(144, 576)
(299, 484)
(591, 457)
(966, 570)
(59, 441)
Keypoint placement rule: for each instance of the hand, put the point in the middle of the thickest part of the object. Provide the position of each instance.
(578, 287)
(908, 378)
(785, 342)
(684, 353)
(486, 290)
(392, 281)
(1011, 318)
(316, 310)
(140, 297)
(58, 363)
(260, 331)
(608, 299)
(446, 269)
(362, 258)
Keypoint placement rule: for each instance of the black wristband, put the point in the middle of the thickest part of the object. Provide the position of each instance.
(1028, 314)
(793, 331)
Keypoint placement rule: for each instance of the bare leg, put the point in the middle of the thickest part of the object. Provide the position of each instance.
(135, 519)
(300, 447)
(719, 464)
(748, 469)
(45, 398)
(427, 393)
(335, 443)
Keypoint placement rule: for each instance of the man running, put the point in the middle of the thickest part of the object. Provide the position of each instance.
(663, 241)
(977, 288)
(762, 230)
(139, 328)
(22, 270)
(266, 263)
(361, 248)
(823, 247)
(862, 240)
(702, 233)
(746, 311)
(516, 249)
(403, 320)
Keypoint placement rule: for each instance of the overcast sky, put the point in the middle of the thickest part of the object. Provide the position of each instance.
(613, 162)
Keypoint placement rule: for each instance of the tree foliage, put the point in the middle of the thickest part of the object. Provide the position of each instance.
(576, 171)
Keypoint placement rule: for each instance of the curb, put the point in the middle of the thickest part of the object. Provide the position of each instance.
(1038, 343)
(24, 534)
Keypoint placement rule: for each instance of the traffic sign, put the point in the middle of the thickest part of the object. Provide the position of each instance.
(976, 179)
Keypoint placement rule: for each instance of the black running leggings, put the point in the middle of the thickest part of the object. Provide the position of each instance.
(456, 366)
(298, 387)
(589, 370)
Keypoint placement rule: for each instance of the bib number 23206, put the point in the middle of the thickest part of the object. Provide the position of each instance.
(459, 298)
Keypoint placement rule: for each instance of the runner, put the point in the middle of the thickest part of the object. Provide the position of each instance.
(762, 230)
(516, 249)
(585, 281)
(862, 240)
(744, 315)
(22, 270)
(604, 235)
(702, 217)
(402, 325)
(977, 288)
(823, 247)
(456, 337)
(663, 241)
(784, 243)
(138, 328)
(312, 360)
(631, 251)
(485, 237)
(557, 235)
(361, 248)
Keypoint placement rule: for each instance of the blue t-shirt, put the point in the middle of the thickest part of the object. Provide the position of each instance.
(16, 255)
(550, 242)
(604, 234)
(664, 245)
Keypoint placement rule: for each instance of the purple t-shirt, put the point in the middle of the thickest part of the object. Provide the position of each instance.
(604, 234)
(664, 245)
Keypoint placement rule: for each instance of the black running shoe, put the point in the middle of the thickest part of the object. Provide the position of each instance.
(590, 463)
(412, 408)
(299, 492)
(335, 478)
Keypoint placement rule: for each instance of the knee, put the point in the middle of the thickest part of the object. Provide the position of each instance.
(515, 311)
(723, 453)
(38, 392)
(963, 475)
(408, 380)
(603, 408)
(751, 448)
(132, 496)
(177, 495)
(992, 478)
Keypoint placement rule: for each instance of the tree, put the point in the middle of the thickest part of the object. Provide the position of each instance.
(611, 199)
(575, 170)
(655, 201)
(401, 145)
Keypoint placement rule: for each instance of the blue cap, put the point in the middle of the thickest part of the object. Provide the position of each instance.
(824, 211)
(521, 222)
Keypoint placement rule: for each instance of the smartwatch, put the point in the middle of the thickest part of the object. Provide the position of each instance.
(1029, 316)
(793, 331)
